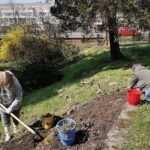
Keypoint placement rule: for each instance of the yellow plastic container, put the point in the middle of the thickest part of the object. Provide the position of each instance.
(47, 121)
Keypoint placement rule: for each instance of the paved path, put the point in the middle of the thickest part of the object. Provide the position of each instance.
(120, 130)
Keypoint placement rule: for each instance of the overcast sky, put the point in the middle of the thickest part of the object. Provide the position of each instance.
(20, 1)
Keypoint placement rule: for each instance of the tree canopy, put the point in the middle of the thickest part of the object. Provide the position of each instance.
(113, 13)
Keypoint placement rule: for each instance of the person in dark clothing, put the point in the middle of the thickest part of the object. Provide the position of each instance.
(141, 80)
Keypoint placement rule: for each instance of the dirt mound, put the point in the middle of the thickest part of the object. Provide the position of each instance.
(94, 121)
(26, 142)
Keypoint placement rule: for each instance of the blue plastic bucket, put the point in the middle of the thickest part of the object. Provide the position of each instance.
(67, 135)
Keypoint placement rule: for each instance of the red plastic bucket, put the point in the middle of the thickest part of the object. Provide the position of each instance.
(133, 96)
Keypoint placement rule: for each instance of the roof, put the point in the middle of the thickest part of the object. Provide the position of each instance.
(27, 4)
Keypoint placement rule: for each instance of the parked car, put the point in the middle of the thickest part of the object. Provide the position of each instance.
(125, 31)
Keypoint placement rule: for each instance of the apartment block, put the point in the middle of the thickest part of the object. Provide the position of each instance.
(18, 13)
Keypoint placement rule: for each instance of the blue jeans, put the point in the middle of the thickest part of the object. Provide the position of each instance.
(147, 93)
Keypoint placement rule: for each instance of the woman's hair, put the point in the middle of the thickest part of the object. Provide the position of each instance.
(6, 78)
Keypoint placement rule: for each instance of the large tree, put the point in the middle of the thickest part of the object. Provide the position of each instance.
(113, 13)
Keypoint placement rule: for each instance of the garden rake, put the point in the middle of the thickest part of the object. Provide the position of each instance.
(36, 135)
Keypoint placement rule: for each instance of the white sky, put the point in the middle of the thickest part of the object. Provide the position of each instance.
(20, 1)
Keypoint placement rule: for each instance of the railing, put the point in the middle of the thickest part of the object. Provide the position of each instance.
(82, 35)
(78, 35)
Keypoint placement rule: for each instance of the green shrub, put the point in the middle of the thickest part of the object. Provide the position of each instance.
(25, 43)
(10, 40)
(22, 44)
(39, 49)
(69, 52)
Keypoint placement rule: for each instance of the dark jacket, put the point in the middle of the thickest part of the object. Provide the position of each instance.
(141, 78)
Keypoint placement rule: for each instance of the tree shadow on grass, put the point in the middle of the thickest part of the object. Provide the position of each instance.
(92, 65)
(89, 66)
(139, 53)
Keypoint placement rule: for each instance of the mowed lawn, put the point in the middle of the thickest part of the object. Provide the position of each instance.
(93, 74)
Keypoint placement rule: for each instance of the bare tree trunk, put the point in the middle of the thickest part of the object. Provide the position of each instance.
(149, 37)
(113, 38)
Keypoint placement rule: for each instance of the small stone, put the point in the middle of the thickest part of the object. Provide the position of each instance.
(112, 83)
(99, 92)
(60, 91)
(69, 111)
(52, 129)
(119, 99)
(94, 145)
(61, 95)
(66, 97)
(20, 142)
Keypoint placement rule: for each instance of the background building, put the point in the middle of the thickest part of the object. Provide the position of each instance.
(21, 13)
(17, 13)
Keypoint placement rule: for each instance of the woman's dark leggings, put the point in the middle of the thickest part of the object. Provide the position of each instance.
(6, 118)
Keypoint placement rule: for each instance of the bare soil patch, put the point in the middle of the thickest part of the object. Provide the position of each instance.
(94, 120)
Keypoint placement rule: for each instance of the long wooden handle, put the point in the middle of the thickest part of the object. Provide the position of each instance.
(27, 127)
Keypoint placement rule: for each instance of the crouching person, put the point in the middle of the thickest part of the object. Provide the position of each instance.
(141, 80)
(11, 97)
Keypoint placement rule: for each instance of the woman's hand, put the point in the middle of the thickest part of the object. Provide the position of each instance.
(8, 110)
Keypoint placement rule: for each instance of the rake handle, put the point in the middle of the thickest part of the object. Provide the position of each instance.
(27, 127)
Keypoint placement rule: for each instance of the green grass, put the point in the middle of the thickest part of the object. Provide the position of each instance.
(133, 38)
(140, 133)
(93, 74)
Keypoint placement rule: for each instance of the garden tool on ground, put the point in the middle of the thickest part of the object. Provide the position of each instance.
(37, 137)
